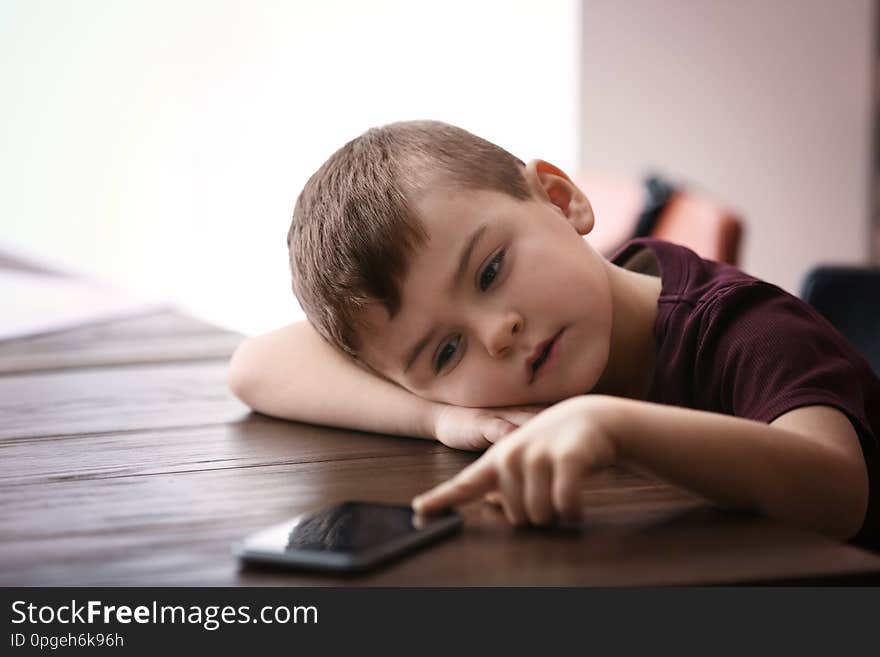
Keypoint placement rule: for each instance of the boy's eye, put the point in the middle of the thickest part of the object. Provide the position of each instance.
(446, 352)
(449, 348)
(491, 271)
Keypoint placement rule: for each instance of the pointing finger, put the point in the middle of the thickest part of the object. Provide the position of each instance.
(470, 483)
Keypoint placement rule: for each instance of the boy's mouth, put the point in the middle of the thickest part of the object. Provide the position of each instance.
(540, 355)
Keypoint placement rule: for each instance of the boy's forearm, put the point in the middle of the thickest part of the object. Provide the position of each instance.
(294, 374)
(743, 464)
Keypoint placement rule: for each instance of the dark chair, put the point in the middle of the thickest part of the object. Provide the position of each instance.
(849, 298)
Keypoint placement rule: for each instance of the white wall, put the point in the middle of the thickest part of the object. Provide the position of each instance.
(162, 143)
(766, 103)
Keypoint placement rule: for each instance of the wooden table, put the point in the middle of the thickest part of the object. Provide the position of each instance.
(126, 461)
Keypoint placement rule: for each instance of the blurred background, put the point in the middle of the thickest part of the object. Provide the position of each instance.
(161, 145)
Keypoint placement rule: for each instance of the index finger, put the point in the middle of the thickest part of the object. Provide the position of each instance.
(472, 482)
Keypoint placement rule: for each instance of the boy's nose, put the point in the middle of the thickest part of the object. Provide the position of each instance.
(502, 333)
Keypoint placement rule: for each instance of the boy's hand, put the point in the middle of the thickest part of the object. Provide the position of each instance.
(539, 469)
(478, 428)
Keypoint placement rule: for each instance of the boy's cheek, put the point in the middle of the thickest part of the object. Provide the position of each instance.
(479, 391)
(431, 393)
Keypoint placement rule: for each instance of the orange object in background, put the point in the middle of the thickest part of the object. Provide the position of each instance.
(688, 217)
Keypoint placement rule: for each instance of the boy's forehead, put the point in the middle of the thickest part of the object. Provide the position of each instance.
(383, 338)
(372, 320)
(450, 217)
(377, 336)
(445, 197)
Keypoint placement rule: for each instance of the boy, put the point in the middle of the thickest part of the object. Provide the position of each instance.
(450, 295)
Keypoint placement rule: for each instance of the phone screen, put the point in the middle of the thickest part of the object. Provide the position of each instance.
(351, 527)
(349, 534)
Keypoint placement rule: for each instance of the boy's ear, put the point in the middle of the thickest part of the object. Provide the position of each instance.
(550, 183)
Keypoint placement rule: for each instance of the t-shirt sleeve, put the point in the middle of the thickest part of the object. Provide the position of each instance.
(765, 353)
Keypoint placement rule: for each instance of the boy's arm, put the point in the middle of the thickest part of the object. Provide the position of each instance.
(292, 373)
(805, 468)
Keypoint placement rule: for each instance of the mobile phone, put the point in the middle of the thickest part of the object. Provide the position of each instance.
(351, 536)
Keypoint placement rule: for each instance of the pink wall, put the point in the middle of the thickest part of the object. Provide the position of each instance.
(767, 105)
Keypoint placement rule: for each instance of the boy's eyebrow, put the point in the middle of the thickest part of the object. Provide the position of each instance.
(465, 257)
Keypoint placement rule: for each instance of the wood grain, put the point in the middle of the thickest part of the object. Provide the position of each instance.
(176, 529)
(160, 337)
(76, 401)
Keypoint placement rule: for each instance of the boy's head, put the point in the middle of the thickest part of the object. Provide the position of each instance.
(375, 249)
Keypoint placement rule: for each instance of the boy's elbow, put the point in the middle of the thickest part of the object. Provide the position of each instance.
(847, 493)
(856, 508)
(240, 375)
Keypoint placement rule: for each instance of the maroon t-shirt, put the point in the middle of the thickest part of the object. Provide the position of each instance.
(730, 343)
